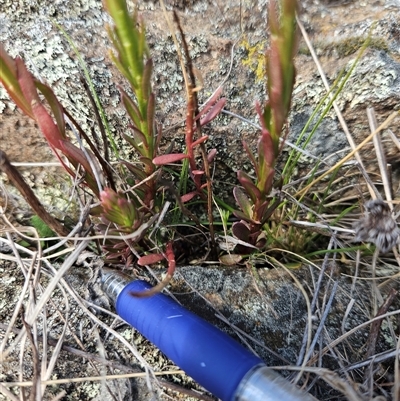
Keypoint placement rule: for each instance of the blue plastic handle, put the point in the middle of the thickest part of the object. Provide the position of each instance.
(208, 355)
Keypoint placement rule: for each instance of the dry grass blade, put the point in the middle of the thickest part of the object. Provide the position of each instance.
(396, 386)
(334, 104)
(39, 321)
(96, 320)
(47, 371)
(331, 378)
(383, 126)
(35, 392)
(375, 329)
(18, 305)
(7, 393)
(48, 291)
(338, 340)
(308, 329)
(380, 155)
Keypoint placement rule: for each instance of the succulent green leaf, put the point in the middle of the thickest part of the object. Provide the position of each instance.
(131, 108)
(9, 79)
(243, 202)
(117, 209)
(138, 172)
(128, 36)
(146, 78)
(249, 186)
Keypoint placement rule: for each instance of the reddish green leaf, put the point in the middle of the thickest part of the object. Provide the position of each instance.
(138, 172)
(210, 103)
(146, 78)
(171, 158)
(266, 148)
(215, 110)
(147, 162)
(211, 155)
(243, 201)
(55, 105)
(249, 186)
(250, 154)
(150, 259)
(189, 196)
(198, 141)
(131, 108)
(241, 230)
(244, 217)
(9, 78)
(76, 156)
(266, 182)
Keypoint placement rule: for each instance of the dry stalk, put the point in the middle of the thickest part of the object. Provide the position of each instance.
(380, 155)
(383, 126)
(374, 332)
(334, 104)
(18, 181)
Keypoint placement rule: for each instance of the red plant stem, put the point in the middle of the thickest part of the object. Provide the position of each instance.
(193, 110)
(169, 253)
(189, 130)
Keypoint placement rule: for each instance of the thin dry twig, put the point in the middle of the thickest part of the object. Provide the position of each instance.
(18, 181)
(35, 359)
(334, 104)
(380, 155)
(396, 386)
(375, 329)
(383, 126)
(330, 377)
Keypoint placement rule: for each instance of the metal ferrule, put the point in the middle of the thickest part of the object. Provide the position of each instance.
(264, 384)
(113, 283)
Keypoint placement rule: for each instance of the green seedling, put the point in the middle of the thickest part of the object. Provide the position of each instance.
(254, 198)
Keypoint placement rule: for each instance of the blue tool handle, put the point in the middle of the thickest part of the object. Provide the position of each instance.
(208, 355)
